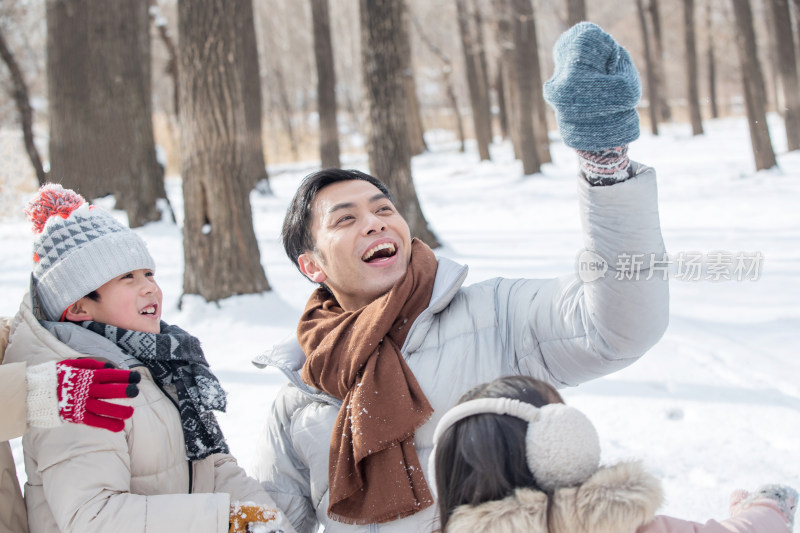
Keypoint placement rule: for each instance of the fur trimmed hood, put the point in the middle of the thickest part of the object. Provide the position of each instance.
(615, 499)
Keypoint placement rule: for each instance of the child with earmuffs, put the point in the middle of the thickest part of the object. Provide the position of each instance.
(511, 456)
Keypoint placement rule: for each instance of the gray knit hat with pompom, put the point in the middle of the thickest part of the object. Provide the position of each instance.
(77, 249)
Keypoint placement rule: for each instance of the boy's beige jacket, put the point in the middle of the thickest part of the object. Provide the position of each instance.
(12, 425)
(84, 479)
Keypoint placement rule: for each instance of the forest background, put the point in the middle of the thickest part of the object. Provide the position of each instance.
(712, 407)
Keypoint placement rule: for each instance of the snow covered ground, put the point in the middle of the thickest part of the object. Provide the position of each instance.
(714, 406)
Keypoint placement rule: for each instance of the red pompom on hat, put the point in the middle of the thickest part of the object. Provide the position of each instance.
(52, 200)
(77, 248)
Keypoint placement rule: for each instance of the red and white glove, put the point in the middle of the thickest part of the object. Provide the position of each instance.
(74, 390)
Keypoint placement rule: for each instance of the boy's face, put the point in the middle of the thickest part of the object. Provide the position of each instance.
(363, 245)
(130, 301)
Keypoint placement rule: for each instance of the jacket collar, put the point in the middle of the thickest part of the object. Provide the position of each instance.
(289, 358)
(615, 499)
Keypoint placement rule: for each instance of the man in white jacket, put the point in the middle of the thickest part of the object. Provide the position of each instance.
(391, 339)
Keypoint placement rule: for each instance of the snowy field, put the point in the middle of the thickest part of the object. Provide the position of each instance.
(714, 406)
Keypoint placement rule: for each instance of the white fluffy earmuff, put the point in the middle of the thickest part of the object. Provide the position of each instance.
(562, 445)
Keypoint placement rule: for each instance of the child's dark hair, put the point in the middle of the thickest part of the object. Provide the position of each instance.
(483, 458)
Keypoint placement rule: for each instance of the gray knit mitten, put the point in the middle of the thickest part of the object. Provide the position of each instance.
(594, 90)
(784, 497)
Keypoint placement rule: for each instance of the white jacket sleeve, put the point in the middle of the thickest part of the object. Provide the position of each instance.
(280, 470)
(13, 393)
(579, 330)
(86, 479)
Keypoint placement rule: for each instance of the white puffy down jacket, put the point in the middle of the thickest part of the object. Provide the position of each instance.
(83, 479)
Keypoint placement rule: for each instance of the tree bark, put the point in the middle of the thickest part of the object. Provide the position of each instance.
(505, 43)
(576, 12)
(172, 63)
(416, 131)
(285, 110)
(501, 100)
(661, 78)
(480, 119)
(523, 63)
(387, 107)
(326, 85)
(787, 72)
(652, 83)
(220, 248)
(447, 70)
(712, 64)
(255, 166)
(483, 68)
(531, 49)
(692, 93)
(753, 83)
(99, 73)
(22, 100)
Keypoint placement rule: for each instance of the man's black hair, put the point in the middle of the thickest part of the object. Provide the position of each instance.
(296, 231)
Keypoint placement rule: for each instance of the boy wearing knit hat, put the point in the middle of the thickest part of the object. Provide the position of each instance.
(94, 294)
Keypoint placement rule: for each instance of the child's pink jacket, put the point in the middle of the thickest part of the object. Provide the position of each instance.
(763, 517)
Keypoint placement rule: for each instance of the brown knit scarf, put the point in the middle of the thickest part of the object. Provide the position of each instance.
(374, 473)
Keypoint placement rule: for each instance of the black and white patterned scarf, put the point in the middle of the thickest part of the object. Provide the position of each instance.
(175, 358)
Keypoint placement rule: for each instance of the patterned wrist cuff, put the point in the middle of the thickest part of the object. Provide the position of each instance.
(605, 167)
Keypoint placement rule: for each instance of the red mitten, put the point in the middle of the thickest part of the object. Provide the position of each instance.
(83, 384)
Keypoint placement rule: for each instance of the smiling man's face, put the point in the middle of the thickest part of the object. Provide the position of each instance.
(362, 245)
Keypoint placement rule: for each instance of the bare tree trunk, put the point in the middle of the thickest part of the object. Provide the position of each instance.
(772, 68)
(661, 78)
(692, 95)
(753, 82)
(220, 247)
(483, 68)
(416, 131)
(121, 109)
(255, 166)
(480, 118)
(652, 83)
(576, 12)
(101, 131)
(528, 26)
(68, 62)
(712, 67)
(501, 100)
(787, 71)
(505, 42)
(326, 85)
(387, 104)
(520, 64)
(285, 110)
(796, 20)
(172, 63)
(447, 69)
(22, 99)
